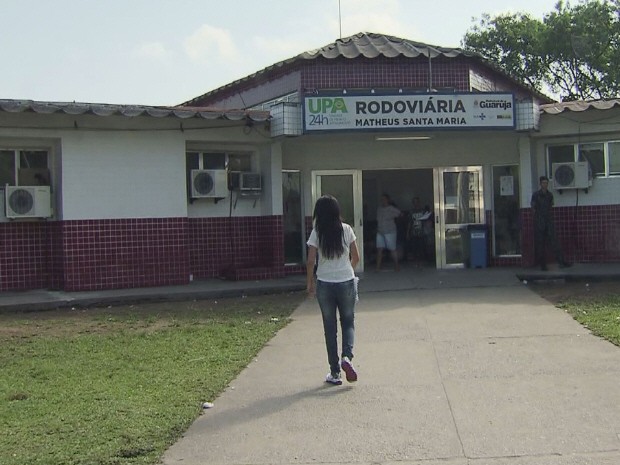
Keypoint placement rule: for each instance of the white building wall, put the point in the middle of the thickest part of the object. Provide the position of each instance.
(576, 128)
(116, 167)
(271, 169)
(528, 184)
(123, 174)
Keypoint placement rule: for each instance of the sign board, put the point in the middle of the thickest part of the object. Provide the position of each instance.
(506, 185)
(408, 112)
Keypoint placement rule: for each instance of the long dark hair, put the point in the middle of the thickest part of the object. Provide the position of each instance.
(328, 226)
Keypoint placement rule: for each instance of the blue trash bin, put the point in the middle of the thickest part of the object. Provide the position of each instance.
(477, 245)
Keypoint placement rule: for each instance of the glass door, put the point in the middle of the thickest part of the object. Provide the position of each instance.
(346, 186)
(506, 224)
(292, 217)
(459, 203)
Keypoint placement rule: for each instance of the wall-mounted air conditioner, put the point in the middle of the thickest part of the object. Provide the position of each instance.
(250, 182)
(27, 201)
(244, 181)
(209, 184)
(571, 175)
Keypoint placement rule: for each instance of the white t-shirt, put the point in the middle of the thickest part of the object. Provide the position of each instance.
(385, 219)
(335, 270)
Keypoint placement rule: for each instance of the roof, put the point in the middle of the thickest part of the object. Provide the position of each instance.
(579, 105)
(105, 109)
(371, 45)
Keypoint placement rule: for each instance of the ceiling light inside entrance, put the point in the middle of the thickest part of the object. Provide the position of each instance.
(403, 137)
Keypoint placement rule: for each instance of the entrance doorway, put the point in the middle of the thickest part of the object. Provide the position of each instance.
(414, 246)
(453, 197)
(459, 203)
(346, 186)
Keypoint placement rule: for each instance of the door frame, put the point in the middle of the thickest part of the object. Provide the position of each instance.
(440, 224)
(358, 226)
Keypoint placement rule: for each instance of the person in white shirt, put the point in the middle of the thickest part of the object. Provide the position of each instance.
(334, 243)
(386, 230)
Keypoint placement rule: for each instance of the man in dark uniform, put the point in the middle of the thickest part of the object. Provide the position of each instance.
(544, 231)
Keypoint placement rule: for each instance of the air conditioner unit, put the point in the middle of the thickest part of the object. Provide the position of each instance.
(250, 182)
(27, 201)
(209, 184)
(571, 175)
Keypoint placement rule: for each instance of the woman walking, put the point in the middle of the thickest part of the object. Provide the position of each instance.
(336, 290)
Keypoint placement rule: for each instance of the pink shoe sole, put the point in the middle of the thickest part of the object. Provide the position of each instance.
(349, 371)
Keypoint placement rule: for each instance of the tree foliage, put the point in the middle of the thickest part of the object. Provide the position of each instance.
(574, 51)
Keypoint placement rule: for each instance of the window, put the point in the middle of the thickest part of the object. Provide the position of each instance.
(594, 154)
(7, 168)
(559, 154)
(239, 162)
(24, 168)
(603, 157)
(219, 161)
(614, 158)
(233, 162)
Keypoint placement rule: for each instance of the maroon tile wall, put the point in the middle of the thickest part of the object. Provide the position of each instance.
(358, 73)
(109, 254)
(381, 72)
(124, 253)
(56, 256)
(24, 255)
(236, 248)
(290, 270)
(589, 234)
(93, 254)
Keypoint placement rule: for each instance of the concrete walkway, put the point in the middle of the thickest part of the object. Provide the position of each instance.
(411, 277)
(458, 367)
(469, 368)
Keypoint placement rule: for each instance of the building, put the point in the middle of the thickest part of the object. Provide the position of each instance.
(145, 196)
(111, 186)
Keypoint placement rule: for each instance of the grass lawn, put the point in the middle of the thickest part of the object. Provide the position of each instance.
(119, 385)
(600, 315)
(596, 305)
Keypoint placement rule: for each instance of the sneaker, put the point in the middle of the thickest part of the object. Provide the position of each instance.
(349, 371)
(334, 379)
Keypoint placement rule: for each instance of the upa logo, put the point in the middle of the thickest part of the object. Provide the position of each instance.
(325, 105)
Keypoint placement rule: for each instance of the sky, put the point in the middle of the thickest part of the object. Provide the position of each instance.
(165, 52)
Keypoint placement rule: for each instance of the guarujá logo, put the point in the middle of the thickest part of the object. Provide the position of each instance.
(327, 105)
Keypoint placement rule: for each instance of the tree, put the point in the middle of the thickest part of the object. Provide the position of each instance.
(574, 51)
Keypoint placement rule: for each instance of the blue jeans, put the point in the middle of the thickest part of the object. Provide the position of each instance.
(340, 297)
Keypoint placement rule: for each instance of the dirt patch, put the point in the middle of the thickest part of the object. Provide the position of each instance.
(145, 317)
(557, 292)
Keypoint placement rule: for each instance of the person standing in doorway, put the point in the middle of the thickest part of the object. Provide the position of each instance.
(386, 230)
(334, 243)
(416, 244)
(544, 231)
